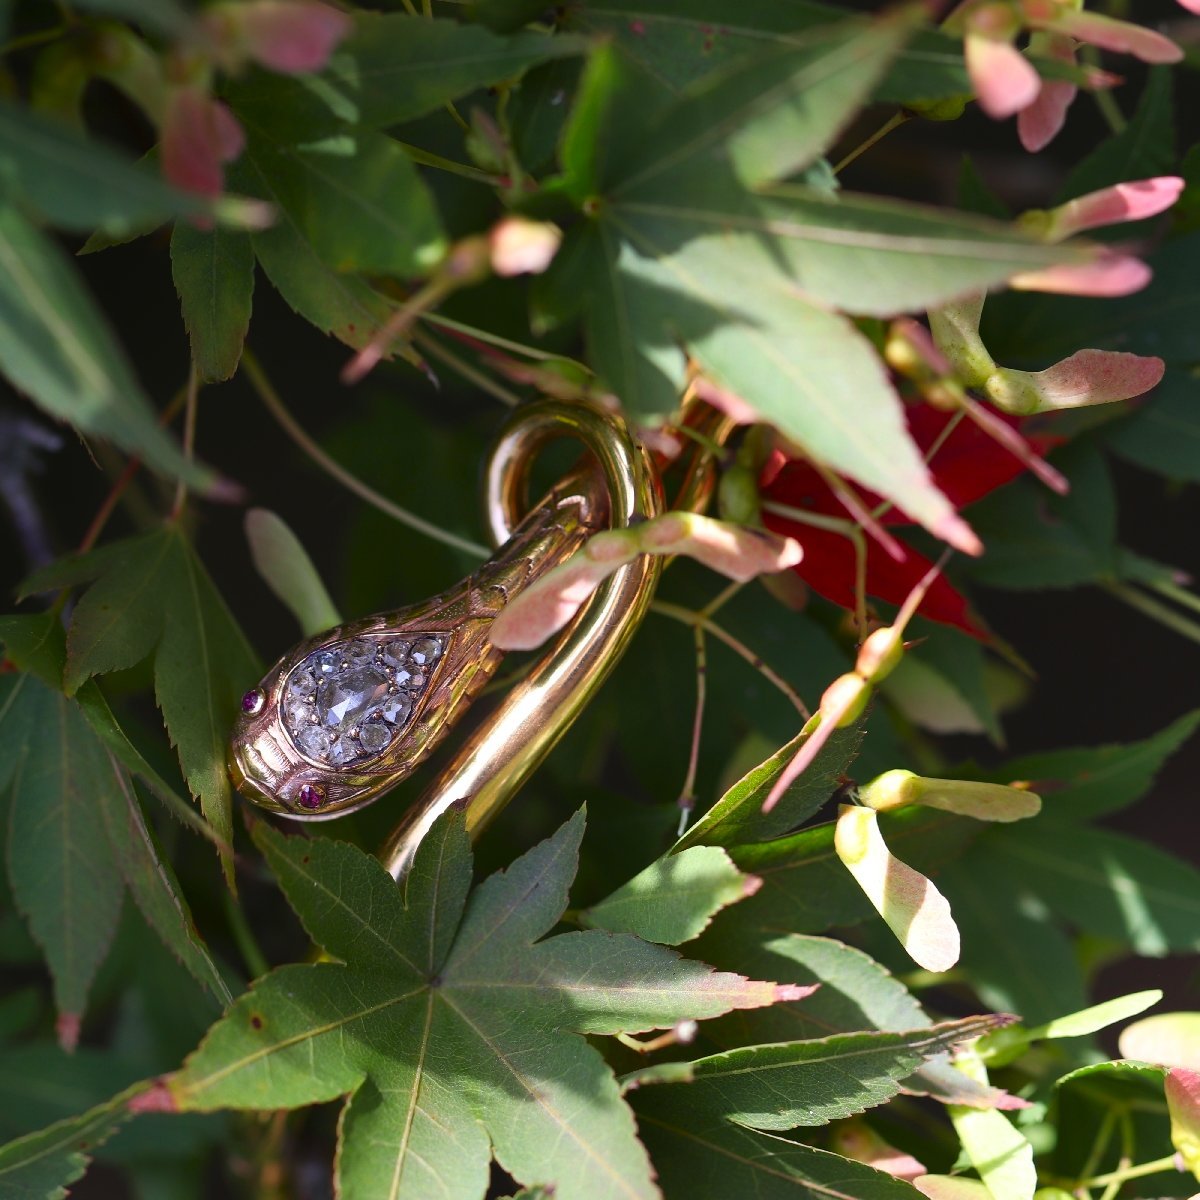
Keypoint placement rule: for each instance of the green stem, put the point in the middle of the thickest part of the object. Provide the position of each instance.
(494, 339)
(267, 393)
(687, 794)
(243, 935)
(1105, 102)
(705, 443)
(1126, 1123)
(38, 38)
(1156, 1167)
(428, 159)
(132, 466)
(1154, 610)
(192, 395)
(1173, 591)
(1100, 1142)
(938, 442)
(688, 616)
(722, 598)
(893, 122)
(846, 529)
(471, 374)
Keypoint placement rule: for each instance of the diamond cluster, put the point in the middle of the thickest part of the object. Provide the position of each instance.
(345, 703)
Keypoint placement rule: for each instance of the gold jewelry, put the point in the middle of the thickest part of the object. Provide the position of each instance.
(346, 715)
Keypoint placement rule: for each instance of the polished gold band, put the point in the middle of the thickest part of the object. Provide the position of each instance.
(500, 755)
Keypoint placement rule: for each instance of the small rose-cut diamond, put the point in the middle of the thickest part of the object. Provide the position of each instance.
(395, 708)
(313, 741)
(396, 653)
(374, 736)
(360, 653)
(425, 651)
(302, 683)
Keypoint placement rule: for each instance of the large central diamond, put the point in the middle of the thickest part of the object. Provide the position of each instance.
(345, 698)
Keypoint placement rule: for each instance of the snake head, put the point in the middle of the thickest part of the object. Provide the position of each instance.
(345, 716)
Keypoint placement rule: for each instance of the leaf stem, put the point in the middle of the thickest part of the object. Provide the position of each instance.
(1126, 1123)
(1155, 610)
(1105, 102)
(1100, 1142)
(687, 794)
(270, 397)
(688, 616)
(243, 936)
(859, 511)
(191, 395)
(1180, 595)
(126, 477)
(1167, 1163)
(942, 438)
(428, 159)
(1015, 444)
(847, 529)
(897, 119)
(38, 37)
(494, 339)
(722, 598)
(471, 374)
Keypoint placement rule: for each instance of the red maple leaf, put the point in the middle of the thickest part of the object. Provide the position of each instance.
(968, 465)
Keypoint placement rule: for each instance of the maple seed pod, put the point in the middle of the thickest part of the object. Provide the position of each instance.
(844, 700)
(1183, 1105)
(966, 797)
(913, 909)
(889, 791)
(901, 355)
(880, 654)
(523, 247)
(737, 496)
(852, 834)
(974, 798)
(1012, 391)
(469, 261)
(948, 109)
(955, 329)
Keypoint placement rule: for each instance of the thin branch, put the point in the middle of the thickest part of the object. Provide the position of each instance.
(1172, 591)
(267, 393)
(859, 511)
(132, 467)
(471, 374)
(1155, 610)
(1166, 1163)
(191, 396)
(690, 617)
(848, 530)
(473, 333)
(428, 159)
(687, 794)
(893, 122)
(243, 936)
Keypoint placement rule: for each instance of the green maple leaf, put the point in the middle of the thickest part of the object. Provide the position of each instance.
(41, 1165)
(152, 596)
(77, 840)
(456, 1032)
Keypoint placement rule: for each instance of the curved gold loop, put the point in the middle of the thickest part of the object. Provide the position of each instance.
(499, 756)
(346, 715)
